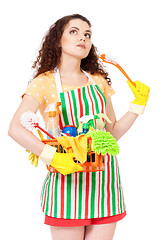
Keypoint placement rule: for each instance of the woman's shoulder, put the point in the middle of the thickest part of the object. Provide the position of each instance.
(46, 75)
(103, 85)
(98, 78)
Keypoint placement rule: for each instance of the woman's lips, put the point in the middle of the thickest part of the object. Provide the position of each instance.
(81, 46)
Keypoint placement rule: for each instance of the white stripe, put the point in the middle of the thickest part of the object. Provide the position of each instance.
(115, 186)
(77, 190)
(73, 177)
(83, 195)
(65, 195)
(105, 187)
(59, 196)
(100, 193)
(72, 106)
(96, 194)
(90, 189)
(77, 102)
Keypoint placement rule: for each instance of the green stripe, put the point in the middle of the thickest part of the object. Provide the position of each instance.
(75, 107)
(47, 199)
(113, 186)
(121, 202)
(102, 193)
(105, 101)
(85, 101)
(55, 194)
(80, 196)
(43, 192)
(93, 190)
(64, 112)
(68, 206)
(95, 98)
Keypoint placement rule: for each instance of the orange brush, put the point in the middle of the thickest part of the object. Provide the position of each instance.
(107, 59)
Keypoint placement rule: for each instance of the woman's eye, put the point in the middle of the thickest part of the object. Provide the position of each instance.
(73, 31)
(88, 35)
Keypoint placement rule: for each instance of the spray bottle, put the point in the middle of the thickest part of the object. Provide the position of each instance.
(87, 122)
(85, 125)
(53, 112)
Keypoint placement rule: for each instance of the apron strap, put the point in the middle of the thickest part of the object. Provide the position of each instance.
(89, 76)
(58, 81)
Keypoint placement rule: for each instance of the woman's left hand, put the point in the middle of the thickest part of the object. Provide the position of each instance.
(141, 93)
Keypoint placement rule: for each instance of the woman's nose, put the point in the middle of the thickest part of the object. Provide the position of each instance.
(82, 38)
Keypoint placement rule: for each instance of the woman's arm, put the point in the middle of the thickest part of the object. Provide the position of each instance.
(120, 127)
(22, 136)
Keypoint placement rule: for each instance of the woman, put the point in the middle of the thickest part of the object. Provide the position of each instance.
(76, 205)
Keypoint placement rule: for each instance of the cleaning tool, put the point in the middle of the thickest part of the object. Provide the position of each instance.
(103, 142)
(70, 130)
(105, 58)
(53, 111)
(140, 90)
(87, 121)
(77, 144)
(100, 122)
(93, 161)
(30, 121)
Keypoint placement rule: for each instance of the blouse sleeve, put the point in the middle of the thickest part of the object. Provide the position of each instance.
(36, 89)
(106, 89)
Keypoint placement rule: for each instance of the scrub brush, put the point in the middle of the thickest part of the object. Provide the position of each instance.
(30, 121)
(107, 59)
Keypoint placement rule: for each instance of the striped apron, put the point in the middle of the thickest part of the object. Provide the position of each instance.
(83, 195)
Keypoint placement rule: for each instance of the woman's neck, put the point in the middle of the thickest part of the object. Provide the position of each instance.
(70, 71)
(69, 66)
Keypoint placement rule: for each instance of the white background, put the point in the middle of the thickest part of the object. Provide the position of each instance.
(133, 32)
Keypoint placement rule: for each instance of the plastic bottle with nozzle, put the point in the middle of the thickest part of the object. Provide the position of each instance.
(53, 111)
(86, 123)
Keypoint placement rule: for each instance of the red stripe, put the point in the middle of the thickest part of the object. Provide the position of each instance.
(60, 122)
(52, 202)
(75, 195)
(101, 100)
(43, 208)
(87, 195)
(122, 198)
(70, 105)
(108, 185)
(117, 181)
(62, 196)
(91, 102)
(80, 102)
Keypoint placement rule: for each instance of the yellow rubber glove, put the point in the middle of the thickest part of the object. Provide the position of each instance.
(64, 163)
(33, 158)
(141, 93)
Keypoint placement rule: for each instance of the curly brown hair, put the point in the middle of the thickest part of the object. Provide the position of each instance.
(50, 52)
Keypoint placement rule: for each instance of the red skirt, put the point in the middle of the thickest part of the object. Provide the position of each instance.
(60, 222)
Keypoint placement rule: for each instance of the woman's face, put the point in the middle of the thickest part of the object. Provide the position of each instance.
(76, 39)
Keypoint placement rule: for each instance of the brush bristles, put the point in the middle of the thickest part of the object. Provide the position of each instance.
(110, 59)
(29, 120)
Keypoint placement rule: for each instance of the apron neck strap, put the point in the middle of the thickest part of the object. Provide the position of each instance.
(58, 81)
